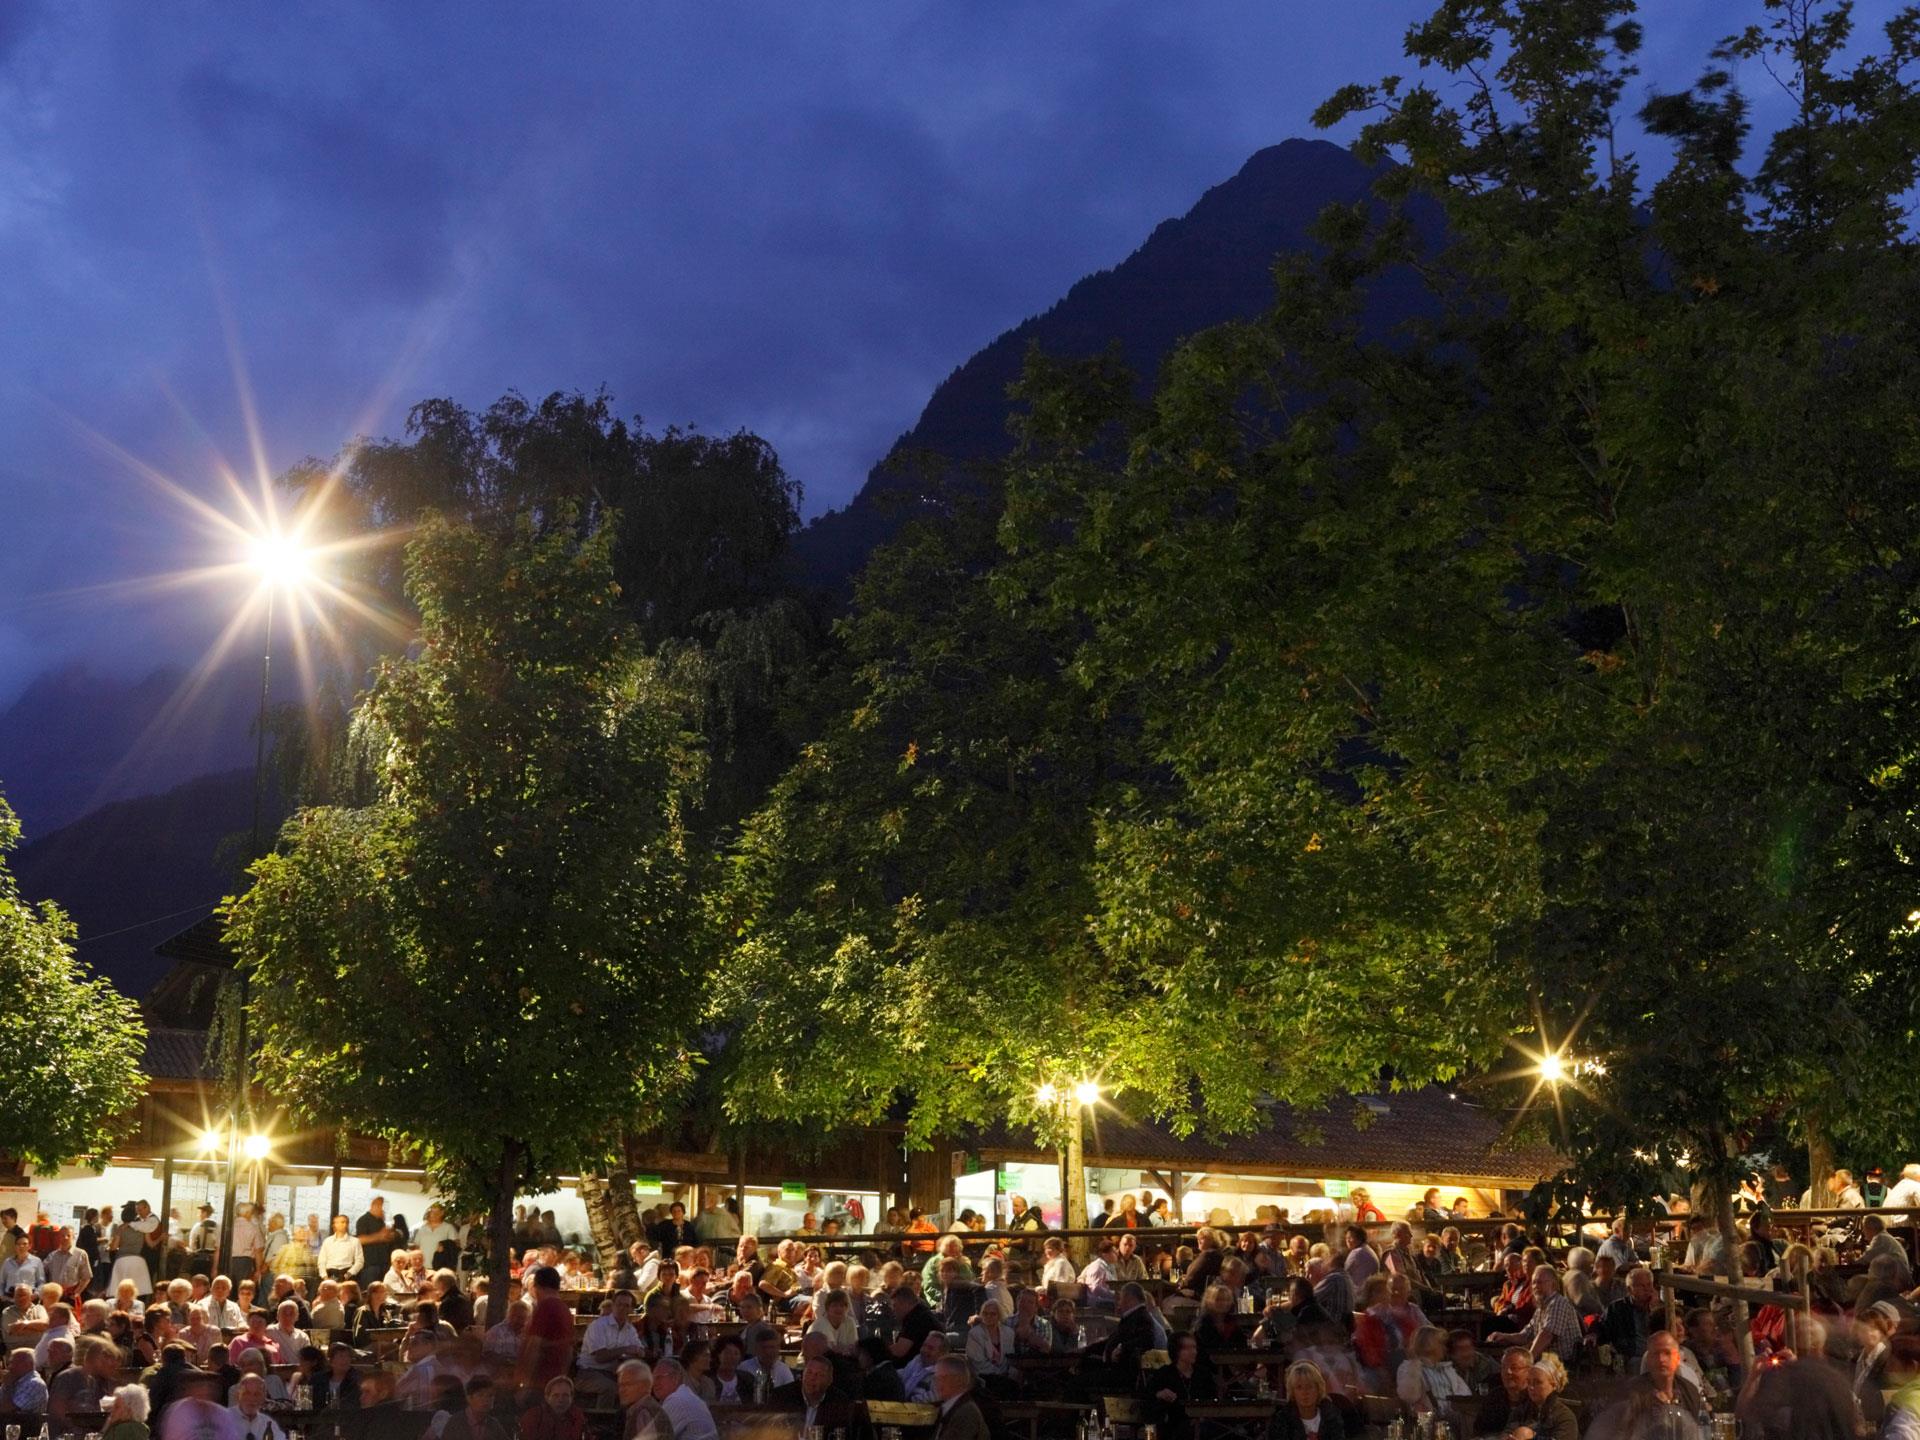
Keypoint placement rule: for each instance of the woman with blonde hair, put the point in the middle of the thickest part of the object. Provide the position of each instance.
(1307, 1413)
(1544, 1415)
(990, 1343)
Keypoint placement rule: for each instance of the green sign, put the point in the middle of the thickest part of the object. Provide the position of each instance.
(1336, 1189)
(792, 1190)
(1003, 1181)
(647, 1185)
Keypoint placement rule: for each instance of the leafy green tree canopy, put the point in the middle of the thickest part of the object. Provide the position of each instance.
(75, 1042)
(1581, 605)
(492, 964)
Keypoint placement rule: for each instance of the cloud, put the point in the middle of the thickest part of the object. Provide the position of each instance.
(793, 218)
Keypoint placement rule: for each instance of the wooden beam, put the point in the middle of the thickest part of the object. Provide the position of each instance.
(1693, 1285)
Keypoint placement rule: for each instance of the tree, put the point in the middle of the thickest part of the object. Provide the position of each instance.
(1587, 594)
(491, 965)
(76, 1042)
(700, 522)
(916, 918)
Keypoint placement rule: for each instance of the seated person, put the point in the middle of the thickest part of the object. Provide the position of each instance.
(1185, 1380)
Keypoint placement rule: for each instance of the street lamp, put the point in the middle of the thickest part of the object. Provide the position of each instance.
(1552, 1068)
(283, 563)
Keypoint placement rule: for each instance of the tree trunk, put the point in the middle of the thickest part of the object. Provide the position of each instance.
(612, 1214)
(1074, 1178)
(1819, 1154)
(1721, 1199)
(500, 1232)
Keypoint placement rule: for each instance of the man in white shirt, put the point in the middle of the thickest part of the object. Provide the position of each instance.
(691, 1418)
(249, 1408)
(1619, 1245)
(433, 1234)
(646, 1267)
(916, 1376)
(222, 1313)
(341, 1257)
(1905, 1191)
(1098, 1274)
(1058, 1269)
(22, 1267)
(287, 1336)
(609, 1340)
(60, 1331)
(767, 1370)
(203, 1241)
(1846, 1195)
(247, 1241)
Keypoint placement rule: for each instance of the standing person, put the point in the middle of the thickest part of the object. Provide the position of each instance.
(341, 1255)
(674, 1231)
(377, 1240)
(248, 1245)
(69, 1268)
(546, 1349)
(129, 1251)
(203, 1242)
(93, 1241)
(434, 1232)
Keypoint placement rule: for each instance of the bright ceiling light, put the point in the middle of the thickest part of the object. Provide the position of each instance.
(1087, 1093)
(1552, 1068)
(256, 1147)
(209, 1141)
(1047, 1094)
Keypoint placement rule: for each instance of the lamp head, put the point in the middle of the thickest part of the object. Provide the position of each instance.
(280, 559)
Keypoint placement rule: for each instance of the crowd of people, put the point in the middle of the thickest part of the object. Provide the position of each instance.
(1335, 1324)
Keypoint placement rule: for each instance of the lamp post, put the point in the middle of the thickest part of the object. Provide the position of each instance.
(282, 563)
(1070, 1104)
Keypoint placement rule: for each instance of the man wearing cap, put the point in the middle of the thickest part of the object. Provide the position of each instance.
(202, 1243)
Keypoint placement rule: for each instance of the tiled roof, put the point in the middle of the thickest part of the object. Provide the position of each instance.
(1418, 1135)
(177, 1055)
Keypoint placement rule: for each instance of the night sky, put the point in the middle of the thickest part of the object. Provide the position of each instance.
(793, 218)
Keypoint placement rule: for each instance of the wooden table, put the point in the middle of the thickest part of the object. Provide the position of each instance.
(1247, 1418)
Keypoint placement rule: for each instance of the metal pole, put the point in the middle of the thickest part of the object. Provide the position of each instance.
(238, 1100)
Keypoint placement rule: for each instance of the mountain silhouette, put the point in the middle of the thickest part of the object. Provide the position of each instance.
(136, 871)
(76, 739)
(1213, 264)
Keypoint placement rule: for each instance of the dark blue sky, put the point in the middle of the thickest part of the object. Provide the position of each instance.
(794, 218)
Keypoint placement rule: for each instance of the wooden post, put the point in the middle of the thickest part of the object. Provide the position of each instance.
(333, 1202)
(1176, 1195)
